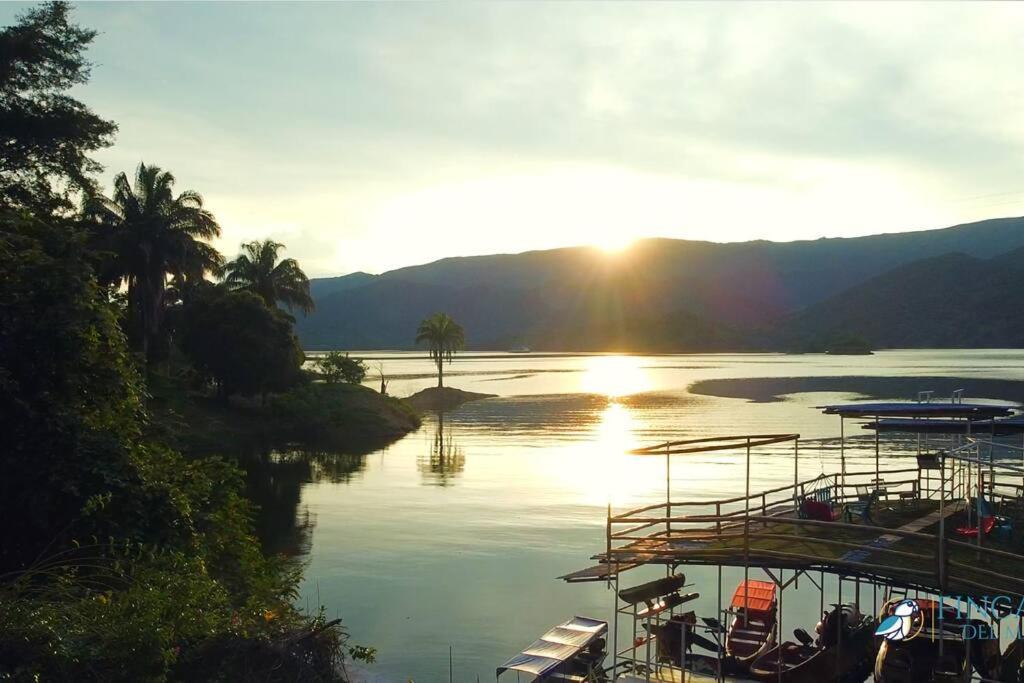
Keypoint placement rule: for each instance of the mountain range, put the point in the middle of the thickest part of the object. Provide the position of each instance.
(951, 287)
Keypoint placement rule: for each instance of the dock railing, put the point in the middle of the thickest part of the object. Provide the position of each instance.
(766, 526)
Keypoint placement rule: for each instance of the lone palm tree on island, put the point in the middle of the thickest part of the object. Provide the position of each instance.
(258, 270)
(443, 337)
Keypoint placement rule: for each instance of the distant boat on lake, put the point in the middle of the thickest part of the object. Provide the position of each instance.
(520, 349)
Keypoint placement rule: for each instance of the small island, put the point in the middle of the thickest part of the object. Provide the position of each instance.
(849, 346)
(443, 398)
(444, 338)
(836, 345)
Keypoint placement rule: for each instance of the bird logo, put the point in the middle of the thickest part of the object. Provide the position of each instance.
(899, 624)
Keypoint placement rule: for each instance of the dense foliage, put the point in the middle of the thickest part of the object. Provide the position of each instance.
(335, 366)
(45, 134)
(118, 558)
(233, 339)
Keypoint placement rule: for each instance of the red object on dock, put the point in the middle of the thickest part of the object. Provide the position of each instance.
(987, 524)
(755, 596)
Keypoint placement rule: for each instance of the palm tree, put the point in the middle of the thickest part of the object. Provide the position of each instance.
(146, 235)
(258, 270)
(444, 337)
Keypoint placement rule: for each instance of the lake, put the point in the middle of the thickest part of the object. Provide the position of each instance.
(453, 536)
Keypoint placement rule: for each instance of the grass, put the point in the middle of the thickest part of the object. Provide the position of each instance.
(340, 417)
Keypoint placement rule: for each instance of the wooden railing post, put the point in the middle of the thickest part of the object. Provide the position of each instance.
(608, 537)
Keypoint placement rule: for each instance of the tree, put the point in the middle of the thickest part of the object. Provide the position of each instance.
(257, 270)
(120, 559)
(68, 394)
(336, 366)
(148, 234)
(233, 339)
(46, 135)
(443, 337)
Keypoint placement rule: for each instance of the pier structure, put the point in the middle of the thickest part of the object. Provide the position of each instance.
(947, 524)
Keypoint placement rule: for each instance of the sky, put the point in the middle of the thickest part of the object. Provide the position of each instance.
(372, 136)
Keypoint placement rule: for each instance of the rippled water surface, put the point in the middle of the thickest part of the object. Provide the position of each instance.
(453, 536)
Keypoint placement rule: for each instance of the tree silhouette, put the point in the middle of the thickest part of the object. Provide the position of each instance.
(258, 270)
(443, 337)
(46, 135)
(146, 234)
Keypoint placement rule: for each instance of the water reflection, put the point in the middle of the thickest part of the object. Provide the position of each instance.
(615, 376)
(445, 461)
(599, 469)
(274, 481)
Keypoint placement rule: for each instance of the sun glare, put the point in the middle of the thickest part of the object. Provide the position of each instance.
(600, 471)
(614, 376)
(614, 244)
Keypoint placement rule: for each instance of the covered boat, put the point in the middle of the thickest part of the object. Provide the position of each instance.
(936, 650)
(752, 631)
(842, 651)
(573, 650)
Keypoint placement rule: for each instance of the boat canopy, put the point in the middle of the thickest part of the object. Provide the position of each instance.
(755, 596)
(713, 443)
(556, 647)
(1002, 426)
(970, 411)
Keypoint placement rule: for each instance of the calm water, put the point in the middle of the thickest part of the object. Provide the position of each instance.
(454, 535)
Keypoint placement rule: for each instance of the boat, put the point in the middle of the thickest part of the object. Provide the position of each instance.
(842, 651)
(936, 651)
(986, 659)
(675, 639)
(752, 630)
(574, 650)
(1011, 661)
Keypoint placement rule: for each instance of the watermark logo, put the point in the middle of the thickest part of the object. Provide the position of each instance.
(905, 622)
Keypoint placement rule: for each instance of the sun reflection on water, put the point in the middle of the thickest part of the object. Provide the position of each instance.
(614, 376)
(600, 469)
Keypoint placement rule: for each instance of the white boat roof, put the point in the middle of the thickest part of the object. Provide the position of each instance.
(556, 647)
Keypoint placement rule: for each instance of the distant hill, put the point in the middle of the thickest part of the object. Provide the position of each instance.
(953, 300)
(660, 295)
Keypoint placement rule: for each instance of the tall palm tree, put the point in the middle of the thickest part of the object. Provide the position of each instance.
(257, 270)
(443, 337)
(148, 234)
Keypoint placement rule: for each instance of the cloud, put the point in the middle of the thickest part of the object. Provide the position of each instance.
(370, 136)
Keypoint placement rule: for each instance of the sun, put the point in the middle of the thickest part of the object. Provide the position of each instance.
(613, 244)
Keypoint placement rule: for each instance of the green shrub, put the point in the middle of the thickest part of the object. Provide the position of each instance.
(335, 366)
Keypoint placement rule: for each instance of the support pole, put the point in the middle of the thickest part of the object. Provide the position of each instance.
(878, 484)
(608, 540)
(839, 626)
(796, 475)
(668, 490)
(981, 490)
(842, 455)
(941, 553)
(778, 623)
(746, 536)
(723, 625)
(615, 623)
